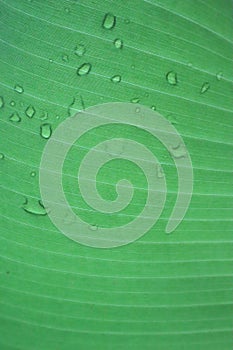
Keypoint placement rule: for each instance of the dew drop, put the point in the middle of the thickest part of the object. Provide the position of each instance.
(15, 118)
(30, 111)
(205, 87)
(93, 227)
(80, 50)
(46, 130)
(153, 107)
(1, 102)
(65, 58)
(12, 103)
(44, 116)
(178, 151)
(34, 206)
(133, 66)
(137, 110)
(109, 21)
(84, 69)
(219, 75)
(19, 89)
(171, 78)
(135, 100)
(2, 156)
(118, 43)
(33, 173)
(116, 79)
(50, 60)
(75, 106)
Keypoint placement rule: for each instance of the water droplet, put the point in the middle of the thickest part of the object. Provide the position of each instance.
(171, 78)
(33, 173)
(205, 87)
(93, 227)
(1, 102)
(12, 103)
(127, 21)
(50, 60)
(67, 10)
(118, 43)
(133, 66)
(19, 89)
(34, 206)
(46, 130)
(75, 106)
(137, 110)
(65, 58)
(80, 50)
(116, 79)
(109, 21)
(172, 119)
(57, 117)
(2, 156)
(135, 100)
(160, 172)
(153, 107)
(178, 151)
(15, 118)
(44, 116)
(84, 69)
(190, 64)
(30, 111)
(219, 75)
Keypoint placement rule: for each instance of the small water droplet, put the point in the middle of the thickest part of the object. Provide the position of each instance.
(67, 10)
(116, 79)
(118, 43)
(1, 102)
(2, 156)
(133, 66)
(65, 58)
(30, 111)
(137, 110)
(190, 64)
(12, 103)
(160, 172)
(34, 206)
(46, 130)
(50, 60)
(135, 100)
(153, 107)
(172, 119)
(75, 106)
(44, 116)
(84, 69)
(109, 21)
(57, 117)
(33, 173)
(127, 21)
(15, 118)
(19, 89)
(80, 50)
(93, 227)
(171, 78)
(178, 151)
(205, 87)
(219, 75)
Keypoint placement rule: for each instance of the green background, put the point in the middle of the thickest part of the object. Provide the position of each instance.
(163, 291)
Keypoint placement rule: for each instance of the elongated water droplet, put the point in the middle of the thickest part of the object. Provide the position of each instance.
(84, 69)
(65, 58)
(2, 156)
(15, 118)
(12, 103)
(34, 206)
(46, 130)
(109, 21)
(135, 100)
(116, 79)
(1, 102)
(19, 89)
(118, 43)
(75, 106)
(80, 50)
(205, 87)
(30, 111)
(172, 78)
(219, 75)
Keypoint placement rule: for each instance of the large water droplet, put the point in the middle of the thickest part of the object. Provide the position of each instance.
(109, 21)
(219, 75)
(19, 89)
(116, 79)
(1, 102)
(34, 206)
(46, 130)
(171, 78)
(205, 87)
(118, 43)
(84, 69)
(15, 118)
(80, 50)
(30, 111)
